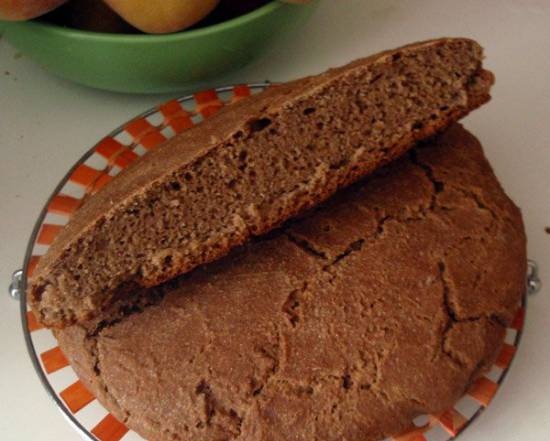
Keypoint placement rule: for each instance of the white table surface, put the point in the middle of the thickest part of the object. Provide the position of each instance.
(47, 123)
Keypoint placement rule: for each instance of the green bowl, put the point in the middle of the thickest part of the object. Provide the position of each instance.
(153, 63)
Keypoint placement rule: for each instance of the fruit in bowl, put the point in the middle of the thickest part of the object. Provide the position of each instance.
(26, 9)
(162, 16)
(113, 55)
(148, 16)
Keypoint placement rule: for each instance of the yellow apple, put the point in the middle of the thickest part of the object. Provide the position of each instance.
(162, 16)
(26, 9)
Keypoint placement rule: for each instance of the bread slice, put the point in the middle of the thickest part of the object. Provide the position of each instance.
(251, 167)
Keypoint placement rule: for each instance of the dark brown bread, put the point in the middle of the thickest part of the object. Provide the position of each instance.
(382, 304)
(250, 168)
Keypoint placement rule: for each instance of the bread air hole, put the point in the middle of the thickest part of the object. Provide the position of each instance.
(346, 382)
(167, 262)
(175, 186)
(243, 154)
(418, 125)
(257, 125)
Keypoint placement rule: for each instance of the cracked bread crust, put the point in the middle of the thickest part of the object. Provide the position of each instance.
(251, 167)
(382, 304)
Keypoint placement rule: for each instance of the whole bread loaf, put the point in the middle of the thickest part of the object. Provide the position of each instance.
(382, 304)
(251, 167)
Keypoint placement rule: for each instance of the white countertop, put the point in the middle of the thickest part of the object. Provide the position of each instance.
(47, 123)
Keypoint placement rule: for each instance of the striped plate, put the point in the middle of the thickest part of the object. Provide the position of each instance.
(97, 167)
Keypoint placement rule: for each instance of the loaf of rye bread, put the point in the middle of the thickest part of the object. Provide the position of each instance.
(384, 303)
(251, 167)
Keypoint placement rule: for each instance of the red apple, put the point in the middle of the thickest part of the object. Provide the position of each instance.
(26, 9)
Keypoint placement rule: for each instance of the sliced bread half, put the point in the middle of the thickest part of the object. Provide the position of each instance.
(251, 167)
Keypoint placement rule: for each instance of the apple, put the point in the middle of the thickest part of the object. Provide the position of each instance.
(14, 10)
(162, 16)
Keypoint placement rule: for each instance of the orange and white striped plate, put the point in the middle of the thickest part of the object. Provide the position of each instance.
(97, 167)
